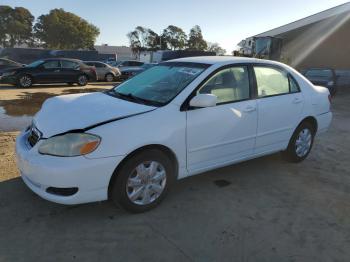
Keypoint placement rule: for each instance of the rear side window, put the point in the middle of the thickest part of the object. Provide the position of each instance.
(272, 81)
(99, 65)
(228, 85)
(69, 64)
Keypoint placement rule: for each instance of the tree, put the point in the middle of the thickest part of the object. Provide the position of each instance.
(214, 47)
(15, 26)
(142, 38)
(64, 30)
(174, 37)
(196, 40)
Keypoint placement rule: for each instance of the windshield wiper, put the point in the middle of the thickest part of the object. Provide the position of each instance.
(134, 98)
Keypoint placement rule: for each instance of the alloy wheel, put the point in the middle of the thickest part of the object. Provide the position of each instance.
(303, 142)
(25, 81)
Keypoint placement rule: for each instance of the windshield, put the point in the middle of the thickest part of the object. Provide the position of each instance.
(159, 84)
(319, 73)
(35, 64)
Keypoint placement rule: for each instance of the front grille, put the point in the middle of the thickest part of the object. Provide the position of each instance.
(34, 136)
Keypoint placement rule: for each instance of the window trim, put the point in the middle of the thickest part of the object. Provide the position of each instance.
(276, 67)
(186, 106)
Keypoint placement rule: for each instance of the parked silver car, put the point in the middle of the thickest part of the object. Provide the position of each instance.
(104, 71)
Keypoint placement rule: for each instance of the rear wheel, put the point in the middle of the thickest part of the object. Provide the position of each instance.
(82, 80)
(143, 181)
(109, 77)
(25, 81)
(301, 143)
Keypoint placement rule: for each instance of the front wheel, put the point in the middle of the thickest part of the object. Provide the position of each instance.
(82, 80)
(25, 81)
(301, 143)
(143, 181)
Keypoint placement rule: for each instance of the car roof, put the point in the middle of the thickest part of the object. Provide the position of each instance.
(62, 58)
(211, 60)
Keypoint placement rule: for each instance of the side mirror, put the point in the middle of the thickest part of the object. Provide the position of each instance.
(204, 100)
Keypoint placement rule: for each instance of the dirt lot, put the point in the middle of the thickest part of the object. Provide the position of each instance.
(260, 210)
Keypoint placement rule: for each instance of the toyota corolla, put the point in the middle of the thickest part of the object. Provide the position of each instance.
(177, 119)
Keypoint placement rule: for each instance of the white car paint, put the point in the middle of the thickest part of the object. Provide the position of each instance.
(201, 140)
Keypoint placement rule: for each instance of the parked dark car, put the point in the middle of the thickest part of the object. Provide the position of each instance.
(53, 70)
(9, 64)
(126, 63)
(129, 72)
(323, 77)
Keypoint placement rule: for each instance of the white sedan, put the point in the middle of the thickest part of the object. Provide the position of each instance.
(175, 120)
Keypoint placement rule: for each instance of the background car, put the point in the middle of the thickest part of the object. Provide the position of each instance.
(8, 64)
(323, 77)
(53, 70)
(129, 72)
(104, 71)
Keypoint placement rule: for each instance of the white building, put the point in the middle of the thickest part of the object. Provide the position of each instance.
(121, 52)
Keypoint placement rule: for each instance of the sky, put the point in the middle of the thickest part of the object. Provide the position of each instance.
(223, 21)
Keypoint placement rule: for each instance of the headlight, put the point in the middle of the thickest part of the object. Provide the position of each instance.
(330, 83)
(71, 144)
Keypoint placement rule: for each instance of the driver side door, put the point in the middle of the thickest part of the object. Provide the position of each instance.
(225, 133)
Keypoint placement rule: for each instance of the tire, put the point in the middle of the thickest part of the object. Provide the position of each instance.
(24, 81)
(109, 77)
(82, 80)
(300, 143)
(135, 188)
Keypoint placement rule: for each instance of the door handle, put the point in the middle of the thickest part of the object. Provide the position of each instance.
(249, 109)
(57, 70)
(297, 100)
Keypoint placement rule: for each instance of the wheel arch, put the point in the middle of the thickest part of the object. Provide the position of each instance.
(312, 120)
(166, 150)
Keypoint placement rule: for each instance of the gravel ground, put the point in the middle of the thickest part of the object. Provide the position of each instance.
(260, 210)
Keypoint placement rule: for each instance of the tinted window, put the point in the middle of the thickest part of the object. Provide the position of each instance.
(69, 64)
(229, 85)
(271, 81)
(51, 64)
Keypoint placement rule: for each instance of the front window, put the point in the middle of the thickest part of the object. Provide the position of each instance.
(159, 84)
(228, 85)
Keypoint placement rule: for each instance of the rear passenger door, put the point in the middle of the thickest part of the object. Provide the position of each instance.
(70, 71)
(280, 104)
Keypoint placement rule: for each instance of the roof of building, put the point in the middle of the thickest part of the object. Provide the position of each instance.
(308, 20)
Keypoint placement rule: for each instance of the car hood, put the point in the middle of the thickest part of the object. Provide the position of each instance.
(79, 111)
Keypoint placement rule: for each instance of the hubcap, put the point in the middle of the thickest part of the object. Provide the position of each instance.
(25, 81)
(82, 80)
(146, 183)
(303, 142)
(109, 78)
